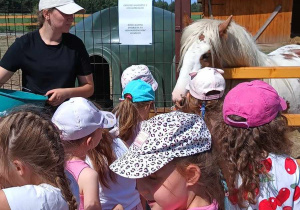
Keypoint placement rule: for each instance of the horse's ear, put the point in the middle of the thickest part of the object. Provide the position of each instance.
(223, 26)
(193, 74)
(186, 20)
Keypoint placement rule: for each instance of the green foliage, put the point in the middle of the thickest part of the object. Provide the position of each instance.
(196, 7)
(18, 6)
(172, 6)
(92, 6)
(161, 4)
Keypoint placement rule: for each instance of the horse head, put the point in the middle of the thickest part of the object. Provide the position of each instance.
(214, 43)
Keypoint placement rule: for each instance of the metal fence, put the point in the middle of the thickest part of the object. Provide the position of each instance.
(98, 29)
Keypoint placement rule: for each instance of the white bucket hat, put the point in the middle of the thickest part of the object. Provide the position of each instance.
(160, 140)
(78, 117)
(207, 80)
(65, 6)
(135, 72)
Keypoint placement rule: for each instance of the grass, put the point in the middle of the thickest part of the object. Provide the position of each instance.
(13, 25)
(16, 24)
(196, 17)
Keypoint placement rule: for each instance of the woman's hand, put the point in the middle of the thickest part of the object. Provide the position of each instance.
(5, 75)
(57, 96)
(85, 90)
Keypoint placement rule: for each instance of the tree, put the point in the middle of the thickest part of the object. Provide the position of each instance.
(195, 7)
(92, 6)
(161, 4)
(18, 6)
(172, 6)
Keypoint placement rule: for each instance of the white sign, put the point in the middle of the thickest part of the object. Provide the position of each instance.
(135, 22)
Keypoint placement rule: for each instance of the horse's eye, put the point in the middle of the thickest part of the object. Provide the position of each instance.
(206, 56)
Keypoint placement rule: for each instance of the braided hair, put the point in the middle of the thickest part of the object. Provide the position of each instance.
(30, 136)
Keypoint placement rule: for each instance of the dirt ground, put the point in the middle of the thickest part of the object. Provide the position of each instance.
(15, 82)
(267, 48)
(294, 136)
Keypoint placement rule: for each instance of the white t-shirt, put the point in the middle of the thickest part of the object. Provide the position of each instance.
(35, 197)
(279, 191)
(123, 191)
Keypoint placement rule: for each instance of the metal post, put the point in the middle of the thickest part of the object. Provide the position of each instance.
(182, 7)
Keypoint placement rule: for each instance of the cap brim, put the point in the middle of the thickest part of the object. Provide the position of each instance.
(109, 119)
(134, 165)
(71, 8)
(154, 86)
(283, 104)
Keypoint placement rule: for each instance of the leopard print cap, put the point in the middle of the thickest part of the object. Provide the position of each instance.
(160, 140)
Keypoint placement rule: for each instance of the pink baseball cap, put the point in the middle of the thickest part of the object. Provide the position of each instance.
(206, 80)
(256, 101)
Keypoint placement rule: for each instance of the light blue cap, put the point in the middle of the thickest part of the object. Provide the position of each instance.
(140, 91)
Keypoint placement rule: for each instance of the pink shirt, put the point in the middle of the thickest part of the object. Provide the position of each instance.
(75, 167)
(213, 206)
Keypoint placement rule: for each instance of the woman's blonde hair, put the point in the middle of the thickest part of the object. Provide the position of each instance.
(31, 137)
(128, 114)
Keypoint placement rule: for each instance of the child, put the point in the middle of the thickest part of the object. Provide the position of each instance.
(81, 124)
(205, 91)
(113, 189)
(135, 72)
(137, 100)
(254, 149)
(32, 164)
(173, 164)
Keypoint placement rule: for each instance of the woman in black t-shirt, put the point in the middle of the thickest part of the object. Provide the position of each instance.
(51, 58)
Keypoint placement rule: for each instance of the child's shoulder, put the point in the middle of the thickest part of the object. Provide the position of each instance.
(88, 173)
(282, 167)
(282, 181)
(88, 180)
(35, 197)
(282, 162)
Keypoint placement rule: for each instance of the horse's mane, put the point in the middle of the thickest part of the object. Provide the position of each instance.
(235, 49)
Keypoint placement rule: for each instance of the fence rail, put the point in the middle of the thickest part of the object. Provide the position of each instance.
(31, 18)
(265, 73)
(262, 72)
(6, 17)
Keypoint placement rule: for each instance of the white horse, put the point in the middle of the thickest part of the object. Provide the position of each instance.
(225, 44)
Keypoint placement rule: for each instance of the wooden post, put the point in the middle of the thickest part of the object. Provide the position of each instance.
(272, 16)
(182, 7)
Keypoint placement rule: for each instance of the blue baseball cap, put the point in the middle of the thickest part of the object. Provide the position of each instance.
(139, 91)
